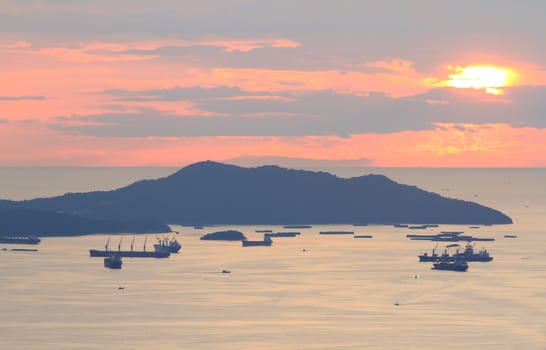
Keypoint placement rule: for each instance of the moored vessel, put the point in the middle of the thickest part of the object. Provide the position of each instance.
(434, 256)
(267, 241)
(170, 243)
(113, 262)
(455, 236)
(284, 234)
(160, 251)
(469, 255)
(451, 265)
(297, 226)
(336, 232)
(20, 240)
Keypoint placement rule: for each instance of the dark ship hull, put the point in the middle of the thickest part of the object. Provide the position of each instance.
(451, 266)
(336, 233)
(163, 249)
(20, 240)
(266, 241)
(455, 236)
(284, 234)
(470, 255)
(256, 243)
(129, 253)
(429, 258)
(467, 255)
(113, 262)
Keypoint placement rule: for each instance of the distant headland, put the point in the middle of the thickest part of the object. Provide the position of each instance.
(217, 193)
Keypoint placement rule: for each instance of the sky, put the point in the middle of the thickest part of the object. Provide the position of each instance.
(394, 83)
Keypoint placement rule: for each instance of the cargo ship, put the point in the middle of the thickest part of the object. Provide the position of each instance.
(468, 255)
(160, 251)
(20, 240)
(284, 234)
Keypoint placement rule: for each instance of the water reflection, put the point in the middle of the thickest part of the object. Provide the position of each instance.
(306, 292)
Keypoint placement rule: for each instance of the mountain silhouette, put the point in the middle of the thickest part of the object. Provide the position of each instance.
(215, 193)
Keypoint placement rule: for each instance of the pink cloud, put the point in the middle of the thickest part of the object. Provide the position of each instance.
(98, 51)
(352, 82)
(284, 43)
(259, 97)
(14, 45)
(396, 65)
(449, 145)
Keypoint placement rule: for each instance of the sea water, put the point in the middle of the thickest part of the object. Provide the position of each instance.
(311, 291)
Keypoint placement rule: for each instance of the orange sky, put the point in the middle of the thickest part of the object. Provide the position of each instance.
(169, 100)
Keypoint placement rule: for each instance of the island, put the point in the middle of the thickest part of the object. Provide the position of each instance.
(229, 235)
(224, 194)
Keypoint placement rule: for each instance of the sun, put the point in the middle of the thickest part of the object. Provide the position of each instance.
(490, 79)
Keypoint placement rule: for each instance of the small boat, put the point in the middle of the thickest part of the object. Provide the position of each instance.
(263, 231)
(451, 265)
(113, 262)
(434, 256)
(510, 236)
(265, 242)
(363, 236)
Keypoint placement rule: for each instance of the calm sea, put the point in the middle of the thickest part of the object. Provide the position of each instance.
(308, 292)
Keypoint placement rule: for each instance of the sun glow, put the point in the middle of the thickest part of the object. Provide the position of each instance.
(487, 78)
